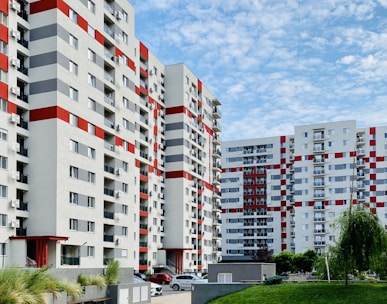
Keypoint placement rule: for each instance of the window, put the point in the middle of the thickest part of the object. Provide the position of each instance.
(124, 209)
(90, 31)
(73, 146)
(3, 76)
(125, 81)
(91, 6)
(3, 18)
(90, 128)
(91, 80)
(73, 67)
(304, 134)
(224, 278)
(73, 15)
(305, 238)
(345, 142)
(91, 104)
(90, 152)
(125, 166)
(3, 134)
(90, 226)
(3, 220)
(3, 105)
(125, 16)
(125, 231)
(125, 102)
(125, 37)
(3, 247)
(124, 187)
(73, 120)
(73, 41)
(305, 215)
(73, 94)
(73, 224)
(125, 123)
(74, 172)
(90, 202)
(3, 191)
(91, 177)
(91, 55)
(345, 130)
(3, 162)
(90, 251)
(73, 198)
(3, 47)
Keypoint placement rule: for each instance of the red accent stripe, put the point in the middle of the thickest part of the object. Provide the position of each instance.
(4, 7)
(131, 147)
(372, 130)
(119, 141)
(131, 64)
(83, 23)
(282, 139)
(45, 5)
(99, 37)
(12, 107)
(49, 113)
(175, 174)
(4, 62)
(200, 85)
(144, 51)
(3, 90)
(3, 33)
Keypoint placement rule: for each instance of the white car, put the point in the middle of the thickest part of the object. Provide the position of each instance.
(156, 289)
(185, 281)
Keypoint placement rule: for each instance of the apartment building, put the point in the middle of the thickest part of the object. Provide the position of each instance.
(285, 193)
(105, 152)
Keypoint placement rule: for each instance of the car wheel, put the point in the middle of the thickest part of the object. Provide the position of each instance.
(175, 287)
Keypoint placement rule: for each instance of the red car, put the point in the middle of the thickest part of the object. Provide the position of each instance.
(160, 278)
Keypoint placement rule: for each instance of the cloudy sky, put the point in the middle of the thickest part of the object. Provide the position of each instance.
(275, 64)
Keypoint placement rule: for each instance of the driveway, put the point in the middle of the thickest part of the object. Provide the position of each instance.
(177, 298)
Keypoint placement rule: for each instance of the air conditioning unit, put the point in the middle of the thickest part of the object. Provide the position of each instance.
(14, 224)
(118, 127)
(14, 118)
(15, 203)
(15, 147)
(118, 241)
(119, 15)
(151, 72)
(150, 158)
(151, 90)
(118, 194)
(15, 62)
(150, 193)
(117, 216)
(15, 90)
(119, 38)
(15, 175)
(15, 34)
(14, 5)
(119, 171)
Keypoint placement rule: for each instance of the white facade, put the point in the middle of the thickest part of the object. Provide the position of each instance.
(307, 180)
(85, 175)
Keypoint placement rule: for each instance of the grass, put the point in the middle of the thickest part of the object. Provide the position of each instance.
(307, 293)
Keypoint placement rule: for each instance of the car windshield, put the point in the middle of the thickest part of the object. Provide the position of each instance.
(138, 280)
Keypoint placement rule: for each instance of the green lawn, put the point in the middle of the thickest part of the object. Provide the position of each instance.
(309, 293)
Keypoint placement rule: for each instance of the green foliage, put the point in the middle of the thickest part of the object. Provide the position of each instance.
(92, 280)
(362, 240)
(289, 262)
(112, 272)
(307, 293)
(273, 280)
(19, 286)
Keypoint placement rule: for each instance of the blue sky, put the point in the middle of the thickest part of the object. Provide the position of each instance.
(275, 64)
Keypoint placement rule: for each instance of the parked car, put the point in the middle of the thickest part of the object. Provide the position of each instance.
(160, 278)
(156, 289)
(185, 281)
(140, 275)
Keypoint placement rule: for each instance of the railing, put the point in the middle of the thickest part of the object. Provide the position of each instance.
(108, 238)
(108, 191)
(69, 260)
(108, 215)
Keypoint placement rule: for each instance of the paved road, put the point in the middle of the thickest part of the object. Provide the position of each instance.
(172, 297)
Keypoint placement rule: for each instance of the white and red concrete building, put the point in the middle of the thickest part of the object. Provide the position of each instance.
(285, 192)
(105, 152)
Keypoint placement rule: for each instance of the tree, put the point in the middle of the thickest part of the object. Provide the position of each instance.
(362, 240)
(283, 261)
(304, 261)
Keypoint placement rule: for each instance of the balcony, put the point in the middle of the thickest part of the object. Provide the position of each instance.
(319, 219)
(108, 238)
(69, 260)
(108, 215)
(108, 30)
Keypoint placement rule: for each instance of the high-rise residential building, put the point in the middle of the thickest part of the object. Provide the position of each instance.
(285, 193)
(105, 152)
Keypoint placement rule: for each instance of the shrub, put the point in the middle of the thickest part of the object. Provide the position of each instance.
(273, 280)
(112, 272)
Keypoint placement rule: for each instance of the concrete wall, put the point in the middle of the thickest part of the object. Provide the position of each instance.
(202, 293)
(242, 272)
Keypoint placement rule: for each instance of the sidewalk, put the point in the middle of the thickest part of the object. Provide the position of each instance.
(181, 298)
